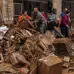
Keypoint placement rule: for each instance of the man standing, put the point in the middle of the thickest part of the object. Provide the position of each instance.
(39, 19)
(64, 24)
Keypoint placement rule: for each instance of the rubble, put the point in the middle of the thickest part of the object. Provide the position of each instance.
(62, 46)
(66, 62)
(3, 30)
(17, 58)
(66, 59)
(7, 68)
(24, 49)
(66, 65)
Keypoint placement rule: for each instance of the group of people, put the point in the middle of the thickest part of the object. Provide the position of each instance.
(61, 24)
(43, 22)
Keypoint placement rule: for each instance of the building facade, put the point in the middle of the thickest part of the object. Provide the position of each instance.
(12, 8)
(28, 5)
(70, 5)
(6, 11)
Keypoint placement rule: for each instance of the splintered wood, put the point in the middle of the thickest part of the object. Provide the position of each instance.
(23, 48)
(62, 45)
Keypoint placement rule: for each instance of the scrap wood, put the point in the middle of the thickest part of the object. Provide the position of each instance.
(43, 45)
(1, 58)
(32, 49)
(17, 32)
(34, 70)
(16, 57)
(66, 59)
(26, 33)
(66, 65)
(29, 51)
(32, 30)
(4, 67)
(37, 49)
(71, 69)
(71, 64)
(6, 38)
(63, 40)
(47, 38)
(11, 31)
(10, 50)
(46, 49)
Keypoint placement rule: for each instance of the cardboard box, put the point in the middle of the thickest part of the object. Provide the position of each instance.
(50, 65)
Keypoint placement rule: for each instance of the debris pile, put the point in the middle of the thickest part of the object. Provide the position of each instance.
(21, 50)
(62, 46)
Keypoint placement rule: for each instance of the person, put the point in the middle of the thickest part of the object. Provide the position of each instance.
(64, 24)
(55, 28)
(20, 17)
(27, 16)
(51, 17)
(22, 21)
(39, 19)
(44, 15)
(63, 13)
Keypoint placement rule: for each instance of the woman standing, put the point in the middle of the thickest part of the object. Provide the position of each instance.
(51, 17)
